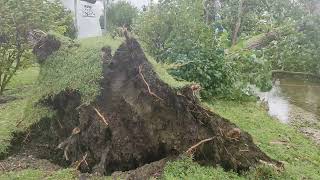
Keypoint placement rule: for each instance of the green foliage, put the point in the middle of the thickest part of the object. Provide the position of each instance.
(252, 69)
(121, 13)
(258, 16)
(162, 70)
(299, 50)
(175, 32)
(17, 19)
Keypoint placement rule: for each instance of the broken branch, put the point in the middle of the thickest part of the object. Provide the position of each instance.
(198, 144)
(82, 161)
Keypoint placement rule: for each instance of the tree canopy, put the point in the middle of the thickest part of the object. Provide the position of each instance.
(18, 18)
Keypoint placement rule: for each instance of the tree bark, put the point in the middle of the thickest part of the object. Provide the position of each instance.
(238, 23)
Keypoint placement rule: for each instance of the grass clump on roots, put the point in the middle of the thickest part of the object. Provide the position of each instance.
(76, 65)
(77, 68)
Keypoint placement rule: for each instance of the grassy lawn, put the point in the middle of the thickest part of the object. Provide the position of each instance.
(30, 174)
(13, 112)
(282, 142)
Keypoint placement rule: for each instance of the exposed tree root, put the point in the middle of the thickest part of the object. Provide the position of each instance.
(83, 160)
(189, 151)
(138, 129)
(101, 117)
(144, 80)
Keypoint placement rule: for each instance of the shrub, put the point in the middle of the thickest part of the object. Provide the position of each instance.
(299, 50)
(175, 32)
(17, 20)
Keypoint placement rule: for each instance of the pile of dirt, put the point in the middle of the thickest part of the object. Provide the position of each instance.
(138, 119)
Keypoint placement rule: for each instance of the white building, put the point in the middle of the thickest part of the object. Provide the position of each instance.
(88, 14)
(87, 17)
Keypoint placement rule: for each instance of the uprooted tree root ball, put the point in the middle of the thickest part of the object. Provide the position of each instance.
(138, 119)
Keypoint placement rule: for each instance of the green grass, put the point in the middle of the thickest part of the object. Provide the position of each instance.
(31, 174)
(13, 112)
(161, 70)
(300, 156)
(187, 169)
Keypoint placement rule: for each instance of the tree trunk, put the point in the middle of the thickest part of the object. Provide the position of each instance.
(238, 23)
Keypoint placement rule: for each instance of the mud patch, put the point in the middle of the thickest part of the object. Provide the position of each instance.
(314, 134)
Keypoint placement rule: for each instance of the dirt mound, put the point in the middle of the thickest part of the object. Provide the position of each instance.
(138, 119)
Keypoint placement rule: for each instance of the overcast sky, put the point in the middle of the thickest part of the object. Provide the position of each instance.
(139, 3)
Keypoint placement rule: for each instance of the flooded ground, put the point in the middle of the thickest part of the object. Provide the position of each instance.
(296, 101)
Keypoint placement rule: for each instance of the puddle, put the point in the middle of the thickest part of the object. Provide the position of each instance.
(291, 99)
(295, 101)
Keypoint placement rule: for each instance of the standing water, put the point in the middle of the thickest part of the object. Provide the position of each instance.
(295, 101)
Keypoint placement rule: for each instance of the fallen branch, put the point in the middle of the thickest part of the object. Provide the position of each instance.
(198, 144)
(83, 160)
(144, 80)
(101, 116)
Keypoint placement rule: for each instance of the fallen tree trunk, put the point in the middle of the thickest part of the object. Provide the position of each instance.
(139, 119)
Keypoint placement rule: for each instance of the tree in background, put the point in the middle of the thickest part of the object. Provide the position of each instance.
(18, 18)
(182, 32)
(119, 14)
